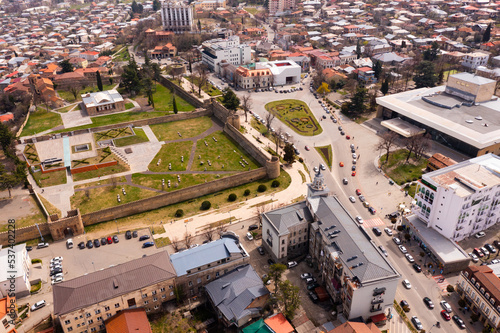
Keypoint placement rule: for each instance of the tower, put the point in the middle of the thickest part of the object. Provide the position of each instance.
(318, 186)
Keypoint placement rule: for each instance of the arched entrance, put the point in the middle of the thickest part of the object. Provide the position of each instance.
(68, 232)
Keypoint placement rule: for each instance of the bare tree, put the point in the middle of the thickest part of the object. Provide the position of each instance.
(175, 243)
(277, 138)
(202, 75)
(261, 209)
(114, 181)
(412, 143)
(387, 141)
(188, 239)
(422, 145)
(269, 119)
(74, 91)
(246, 105)
(209, 234)
(221, 228)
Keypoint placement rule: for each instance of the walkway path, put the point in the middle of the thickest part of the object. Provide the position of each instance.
(150, 134)
(186, 85)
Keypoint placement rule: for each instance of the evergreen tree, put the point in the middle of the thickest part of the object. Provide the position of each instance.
(357, 104)
(432, 53)
(358, 49)
(425, 75)
(289, 154)
(199, 25)
(289, 295)
(99, 81)
(66, 66)
(156, 5)
(487, 34)
(384, 89)
(377, 68)
(441, 76)
(230, 100)
(134, 7)
(175, 105)
(131, 80)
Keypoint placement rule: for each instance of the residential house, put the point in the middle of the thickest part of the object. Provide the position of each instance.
(102, 102)
(253, 76)
(8, 315)
(131, 320)
(89, 55)
(355, 327)
(165, 51)
(366, 74)
(21, 285)
(475, 59)
(324, 61)
(238, 296)
(43, 88)
(78, 62)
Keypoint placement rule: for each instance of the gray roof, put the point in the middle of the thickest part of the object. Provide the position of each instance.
(472, 78)
(389, 57)
(205, 254)
(234, 292)
(286, 217)
(351, 241)
(101, 98)
(102, 285)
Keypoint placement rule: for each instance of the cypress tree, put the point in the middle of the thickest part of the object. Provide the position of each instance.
(99, 81)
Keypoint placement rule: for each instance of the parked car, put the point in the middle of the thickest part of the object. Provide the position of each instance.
(362, 198)
(103, 241)
(312, 295)
(409, 257)
(372, 210)
(478, 252)
(345, 181)
(358, 192)
(305, 275)
(57, 280)
(402, 249)
(416, 322)
(249, 236)
(485, 252)
(148, 244)
(460, 323)
(352, 199)
(407, 284)
(271, 261)
(322, 166)
(388, 231)
(490, 248)
(110, 240)
(97, 243)
(134, 234)
(55, 271)
(90, 244)
(38, 305)
(359, 219)
(69, 243)
(445, 306)
(497, 244)
(261, 250)
(42, 245)
(376, 231)
(428, 302)
(404, 305)
(417, 268)
(396, 240)
(312, 286)
(445, 315)
(115, 239)
(474, 257)
(58, 259)
(143, 238)
(292, 264)
(81, 245)
(253, 227)
(480, 234)
(383, 250)
(128, 234)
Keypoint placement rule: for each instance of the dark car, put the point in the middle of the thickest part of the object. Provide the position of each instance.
(56, 271)
(458, 321)
(261, 250)
(103, 241)
(497, 244)
(376, 231)
(405, 306)
(312, 286)
(372, 210)
(90, 244)
(110, 240)
(253, 227)
(428, 302)
(81, 245)
(270, 261)
(143, 237)
(490, 248)
(115, 239)
(97, 243)
(148, 244)
(128, 234)
(29, 248)
(313, 296)
(134, 234)
(417, 267)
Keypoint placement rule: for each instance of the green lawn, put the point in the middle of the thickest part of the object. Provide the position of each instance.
(400, 171)
(171, 153)
(139, 137)
(65, 109)
(68, 95)
(326, 153)
(129, 106)
(207, 87)
(297, 115)
(252, 10)
(113, 133)
(100, 172)
(51, 178)
(41, 121)
(123, 55)
(105, 197)
(187, 180)
(230, 154)
(35, 215)
(188, 128)
(163, 101)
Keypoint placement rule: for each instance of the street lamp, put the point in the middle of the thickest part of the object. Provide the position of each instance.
(117, 226)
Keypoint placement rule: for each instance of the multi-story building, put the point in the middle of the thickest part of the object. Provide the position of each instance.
(177, 16)
(475, 59)
(253, 76)
(230, 50)
(323, 62)
(277, 7)
(284, 72)
(84, 303)
(462, 199)
(353, 270)
(366, 74)
(209, 4)
(21, 271)
(479, 287)
(201, 265)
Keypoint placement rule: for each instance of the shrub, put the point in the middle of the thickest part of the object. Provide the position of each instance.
(205, 205)
(246, 193)
(275, 183)
(262, 188)
(232, 197)
(179, 213)
(461, 303)
(450, 288)
(400, 228)
(36, 261)
(407, 186)
(474, 317)
(301, 160)
(415, 179)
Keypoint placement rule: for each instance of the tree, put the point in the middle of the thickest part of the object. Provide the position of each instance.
(99, 81)
(230, 100)
(147, 83)
(74, 91)
(174, 103)
(246, 104)
(372, 98)
(7, 181)
(358, 49)
(289, 295)
(487, 34)
(425, 75)
(357, 103)
(377, 69)
(431, 54)
(384, 89)
(209, 234)
(387, 141)
(416, 144)
(66, 66)
(423, 144)
(323, 89)
(269, 119)
(275, 273)
(156, 5)
(202, 71)
(289, 154)
(6, 136)
(188, 239)
(131, 79)
(199, 25)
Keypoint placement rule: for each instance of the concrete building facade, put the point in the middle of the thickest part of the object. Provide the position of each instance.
(103, 102)
(475, 59)
(177, 16)
(229, 50)
(21, 285)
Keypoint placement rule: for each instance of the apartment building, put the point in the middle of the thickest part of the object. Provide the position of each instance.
(201, 265)
(177, 16)
(22, 272)
(278, 7)
(209, 4)
(229, 50)
(81, 305)
(479, 287)
(475, 59)
(253, 76)
(462, 199)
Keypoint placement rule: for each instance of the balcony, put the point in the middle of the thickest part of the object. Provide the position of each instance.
(377, 301)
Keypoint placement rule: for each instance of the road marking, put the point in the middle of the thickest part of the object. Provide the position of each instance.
(441, 282)
(373, 222)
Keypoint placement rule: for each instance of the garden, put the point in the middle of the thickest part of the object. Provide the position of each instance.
(401, 171)
(41, 121)
(326, 153)
(173, 156)
(297, 115)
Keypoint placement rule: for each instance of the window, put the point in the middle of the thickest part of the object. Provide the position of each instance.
(198, 280)
(165, 296)
(93, 329)
(108, 315)
(117, 305)
(70, 329)
(106, 308)
(144, 295)
(216, 274)
(66, 322)
(97, 311)
(99, 318)
(282, 241)
(163, 289)
(208, 277)
(91, 321)
(146, 302)
(190, 283)
(155, 299)
(76, 318)
(154, 292)
(87, 315)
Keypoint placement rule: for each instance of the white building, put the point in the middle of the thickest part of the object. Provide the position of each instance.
(284, 72)
(15, 278)
(176, 16)
(475, 59)
(461, 200)
(230, 50)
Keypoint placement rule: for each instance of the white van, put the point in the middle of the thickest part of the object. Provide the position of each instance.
(69, 243)
(38, 305)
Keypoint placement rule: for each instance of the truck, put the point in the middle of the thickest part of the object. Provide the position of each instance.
(322, 294)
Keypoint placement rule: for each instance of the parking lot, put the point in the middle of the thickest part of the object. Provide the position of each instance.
(78, 262)
(472, 242)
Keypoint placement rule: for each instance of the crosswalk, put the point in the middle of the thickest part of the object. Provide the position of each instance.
(441, 282)
(373, 222)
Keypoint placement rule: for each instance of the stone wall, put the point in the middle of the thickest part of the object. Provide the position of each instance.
(252, 150)
(181, 92)
(25, 234)
(219, 111)
(58, 227)
(166, 199)
(93, 167)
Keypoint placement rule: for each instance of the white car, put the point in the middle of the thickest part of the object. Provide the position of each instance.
(407, 284)
(58, 280)
(55, 265)
(403, 249)
(53, 277)
(445, 306)
(474, 257)
(249, 236)
(388, 231)
(56, 259)
(352, 199)
(305, 275)
(38, 305)
(480, 234)
(292, 264)
(409, 257)
(359, 219)
(322, 166)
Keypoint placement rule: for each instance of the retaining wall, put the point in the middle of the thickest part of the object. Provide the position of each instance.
(25, 234)
(166, 199)
(181, 92)
(248, 146)
(93, 167)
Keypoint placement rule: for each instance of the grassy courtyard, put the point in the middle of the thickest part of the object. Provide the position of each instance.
(31, 154)
(164, 101)
(297, 115)
(399, 170)
(86, 200)
(117, 168)
(139, 137)
(188, 128)
(210, 89)
(225, 154)
(50, 179)
(70, 98)
(113, 133)
(326, 154)
(40, 121)
(172, 153)
(187, 180)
